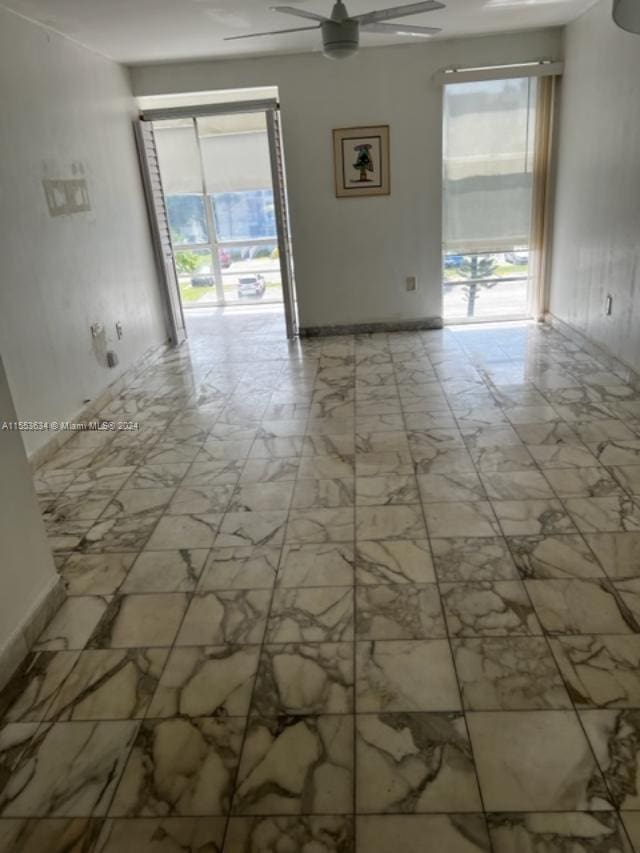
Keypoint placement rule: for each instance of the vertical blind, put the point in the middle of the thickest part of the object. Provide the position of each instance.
(489, 141)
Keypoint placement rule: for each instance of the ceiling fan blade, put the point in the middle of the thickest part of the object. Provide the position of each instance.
(272, 33)
(299, 13)
(398, 12)
(400, 30)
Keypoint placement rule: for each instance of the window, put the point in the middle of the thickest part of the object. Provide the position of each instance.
(489, 146)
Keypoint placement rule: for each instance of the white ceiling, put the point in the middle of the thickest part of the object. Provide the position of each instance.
(135, 31)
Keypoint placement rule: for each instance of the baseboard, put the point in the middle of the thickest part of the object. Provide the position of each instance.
(51, 446)
(21, 641)
(612, 362)
(371, 328)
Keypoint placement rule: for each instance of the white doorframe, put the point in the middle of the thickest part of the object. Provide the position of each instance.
(278, 180)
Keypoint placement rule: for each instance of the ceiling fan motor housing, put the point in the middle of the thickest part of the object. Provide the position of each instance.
(340, 38)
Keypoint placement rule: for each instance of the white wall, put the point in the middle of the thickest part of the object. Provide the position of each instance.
(27, 572)
(596, 246)
(64, 108)
(352, 255)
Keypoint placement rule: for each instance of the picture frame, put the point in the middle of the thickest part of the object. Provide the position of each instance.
(361, 161)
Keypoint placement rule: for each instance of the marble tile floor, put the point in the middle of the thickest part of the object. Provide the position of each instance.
(344, 595)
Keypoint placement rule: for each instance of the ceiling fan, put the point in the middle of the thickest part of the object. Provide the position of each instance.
(341, 32)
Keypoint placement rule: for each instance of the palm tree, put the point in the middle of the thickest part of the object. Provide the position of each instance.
(475, 268)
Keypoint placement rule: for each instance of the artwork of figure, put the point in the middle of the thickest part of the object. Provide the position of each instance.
(363, 164)
(361, 161)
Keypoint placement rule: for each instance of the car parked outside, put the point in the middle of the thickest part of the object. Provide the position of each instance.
(251, 285)
(453, 261)
(518, 256)
(205, 276)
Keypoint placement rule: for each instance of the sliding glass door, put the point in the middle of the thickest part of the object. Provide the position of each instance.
(217, 179)
(489, 164)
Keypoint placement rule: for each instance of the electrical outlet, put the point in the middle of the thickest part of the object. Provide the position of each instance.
(411, 283)
(608, 305)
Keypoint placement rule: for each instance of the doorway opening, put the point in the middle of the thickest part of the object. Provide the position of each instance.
(216, 176)
(494, 138)
(221, 195)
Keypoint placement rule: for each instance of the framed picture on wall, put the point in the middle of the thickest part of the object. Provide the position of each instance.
(361, 159)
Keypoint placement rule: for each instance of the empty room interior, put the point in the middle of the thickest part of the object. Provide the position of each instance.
(320, 426)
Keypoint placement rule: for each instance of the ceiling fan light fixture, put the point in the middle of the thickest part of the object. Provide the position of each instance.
(626, 14)
(340, 39)
(341, 33)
